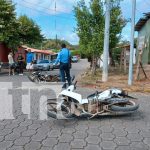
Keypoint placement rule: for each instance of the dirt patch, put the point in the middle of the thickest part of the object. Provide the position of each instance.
(116, 79)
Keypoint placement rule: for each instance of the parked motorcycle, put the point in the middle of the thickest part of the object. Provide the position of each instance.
(70, 104)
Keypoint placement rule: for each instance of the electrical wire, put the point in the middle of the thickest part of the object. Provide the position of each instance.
(53, 10)
(47, 13)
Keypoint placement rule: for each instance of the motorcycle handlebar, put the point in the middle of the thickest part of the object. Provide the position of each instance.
(75, 83)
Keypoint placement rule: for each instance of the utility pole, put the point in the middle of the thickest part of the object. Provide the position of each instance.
(55, 25)
(130, 77)
(106, 42)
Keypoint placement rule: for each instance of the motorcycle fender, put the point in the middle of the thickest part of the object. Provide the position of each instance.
(73, 95)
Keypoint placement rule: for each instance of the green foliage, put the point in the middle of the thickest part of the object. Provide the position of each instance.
(15, 32)
(56, 45)
(75, 52)
(8, 24)
(90, 25)
(30, 32)
(117, 23)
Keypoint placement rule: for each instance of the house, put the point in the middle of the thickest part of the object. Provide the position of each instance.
(143, 29)
(38, 54)
(4, 51)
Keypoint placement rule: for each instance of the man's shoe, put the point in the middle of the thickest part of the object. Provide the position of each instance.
(64, 86)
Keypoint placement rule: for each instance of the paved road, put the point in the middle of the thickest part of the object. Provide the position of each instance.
(130, 132)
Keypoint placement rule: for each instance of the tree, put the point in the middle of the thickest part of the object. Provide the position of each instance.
(8, 24)
(15, 32)
(117, 23)
(29, 32)
(90, 29)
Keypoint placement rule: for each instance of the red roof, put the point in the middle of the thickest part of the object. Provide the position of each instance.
(47, 52)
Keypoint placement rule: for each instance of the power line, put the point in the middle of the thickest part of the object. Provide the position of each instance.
(47, 13)
(53, 10)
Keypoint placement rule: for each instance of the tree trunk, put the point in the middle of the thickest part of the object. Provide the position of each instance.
(112, 62)
(94, 61)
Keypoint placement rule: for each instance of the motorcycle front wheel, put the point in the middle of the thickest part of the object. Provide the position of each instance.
(125, 107)
(51, 109)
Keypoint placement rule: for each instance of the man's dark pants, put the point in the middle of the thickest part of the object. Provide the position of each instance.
(65, 71)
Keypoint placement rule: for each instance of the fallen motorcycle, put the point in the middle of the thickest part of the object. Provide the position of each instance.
(38, 76)
(70, 104)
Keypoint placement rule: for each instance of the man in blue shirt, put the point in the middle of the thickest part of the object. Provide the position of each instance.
(29, 59)
(64, 58)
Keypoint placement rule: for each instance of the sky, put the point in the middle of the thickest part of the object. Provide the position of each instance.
(61, 21)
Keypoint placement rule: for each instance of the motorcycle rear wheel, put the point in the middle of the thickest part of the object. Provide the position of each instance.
(125, 107)
(50, 108)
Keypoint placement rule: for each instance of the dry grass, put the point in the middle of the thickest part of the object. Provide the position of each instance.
(116, 79)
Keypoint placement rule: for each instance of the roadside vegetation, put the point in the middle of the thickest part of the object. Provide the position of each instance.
(90, 28)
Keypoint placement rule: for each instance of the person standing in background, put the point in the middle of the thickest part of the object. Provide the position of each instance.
(29, 60)
(11, 63)
(20, 63)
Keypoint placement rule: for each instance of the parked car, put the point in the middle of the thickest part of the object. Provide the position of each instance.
(53, 66)
(74, 59)
(42, 65)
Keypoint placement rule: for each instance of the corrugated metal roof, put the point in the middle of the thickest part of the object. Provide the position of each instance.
(48, 52)
(142, 21)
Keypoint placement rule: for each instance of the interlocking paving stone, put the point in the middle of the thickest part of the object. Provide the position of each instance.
(147, 141)
(20, 129)
(118, 133)
(106, 129)
(65, 138)
(43, 129)
(16, 148)
(81, 127)
(132, 130)
(5, 132)
(145, 134)
(34, 126)
(68, 130)
(62, 146)
(12, 136)
(123, 148)
(93, 131)
(46, 148)
(54, 133)
(93, 139)
(139, 145)
(135, 137)
(1, 138)
(50, 142)
(92, 147)
(122, 141)
(32, 146)
(26, 123)
(108, 145)
(22, 141)
(107, 136)
(5, 144)
(28, 132)
(80, 135)
(2, 126)
(38, 137)
(78, 143)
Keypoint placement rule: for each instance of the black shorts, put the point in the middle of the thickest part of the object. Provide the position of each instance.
(12, 66)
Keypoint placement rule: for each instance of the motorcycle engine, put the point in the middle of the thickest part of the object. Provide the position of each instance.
(94, 106)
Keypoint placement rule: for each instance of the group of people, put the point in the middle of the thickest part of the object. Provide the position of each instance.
(64, 58)
(20, 63)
